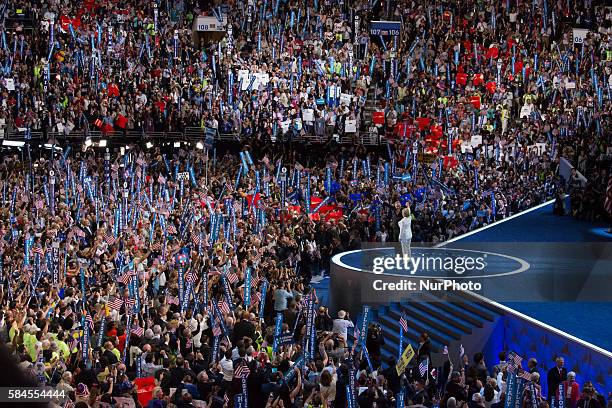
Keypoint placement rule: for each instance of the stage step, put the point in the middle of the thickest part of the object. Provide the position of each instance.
(446, 318)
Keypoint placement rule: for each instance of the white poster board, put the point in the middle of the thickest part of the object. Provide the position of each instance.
(244, 75)
(10, 84)
(539, 148)
(525, 111)
(308, 115)
(476, 140)
(285, 125)
(262, 79)
(466, 147)
(345, 99)
(350, 126)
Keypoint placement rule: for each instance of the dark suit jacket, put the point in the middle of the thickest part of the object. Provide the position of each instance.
(554, 378)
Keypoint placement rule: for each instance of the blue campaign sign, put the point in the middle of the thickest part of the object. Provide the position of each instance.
(385, 27)
(209, 140)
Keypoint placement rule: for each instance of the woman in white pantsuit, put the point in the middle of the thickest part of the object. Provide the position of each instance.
(405, 234)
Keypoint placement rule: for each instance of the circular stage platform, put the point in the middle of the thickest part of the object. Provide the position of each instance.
(503, 272)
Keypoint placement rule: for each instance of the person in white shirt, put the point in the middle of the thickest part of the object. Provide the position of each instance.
(342, 324)
(405, 234)
(227, 369)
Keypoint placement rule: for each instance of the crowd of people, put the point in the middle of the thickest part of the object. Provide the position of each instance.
(193, 267)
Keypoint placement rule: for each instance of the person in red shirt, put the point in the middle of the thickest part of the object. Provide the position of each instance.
(572, 390)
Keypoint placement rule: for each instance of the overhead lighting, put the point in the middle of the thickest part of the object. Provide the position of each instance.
(127, 147)
(102, 143)
(177, 144)
(149, 145)
(88, 142)
(13, 143)
(200, 145)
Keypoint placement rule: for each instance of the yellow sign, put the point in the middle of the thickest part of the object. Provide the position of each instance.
(426, 158)
(407, 355)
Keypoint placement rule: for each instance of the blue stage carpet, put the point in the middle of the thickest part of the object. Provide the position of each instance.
(589, 321)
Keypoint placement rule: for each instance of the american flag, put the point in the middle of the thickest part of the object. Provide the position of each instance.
(608, 202)
(525, 375)
(190, 277)
(255, 281)
(293, 258)
(216, 330)
(161, 179)
(125, 278)
(38, 250)
(171, 229)
(157, 246)
(223, 307)
(109, 237)
(129, 305)
(403, 324)
(514, 362)
(89, 321)
(78, 232)
(116, 303)
(356, 333)
(231, 278)
(196, 239)
(137, 331)
(172, 300)
(423, 366)
(242, 371)
(74, 342)
(237, 207)
(214, 271)
(69, 403)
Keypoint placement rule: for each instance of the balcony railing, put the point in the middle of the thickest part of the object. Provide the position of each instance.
(188, 134)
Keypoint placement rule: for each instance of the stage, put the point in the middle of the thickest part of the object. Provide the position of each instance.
(561, 276)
